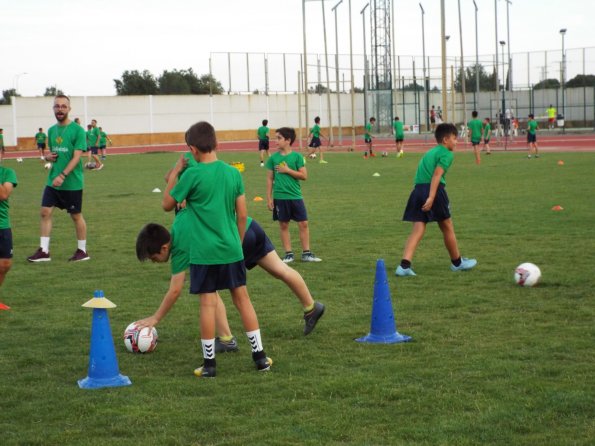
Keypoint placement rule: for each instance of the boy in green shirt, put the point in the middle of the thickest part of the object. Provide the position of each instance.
(8, 181)
(487, 134)
(399, 136)
(284, 195)
(315, 142)
(103, 139)
(40, 139)
(214, 195)
(475, 127)
(429, 202)
(532, 136)
(1, 144)
(368, 137)
(263, 140)
(93, 144)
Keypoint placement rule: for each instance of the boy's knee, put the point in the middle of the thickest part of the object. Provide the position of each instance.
(303, 224)
(5, 265)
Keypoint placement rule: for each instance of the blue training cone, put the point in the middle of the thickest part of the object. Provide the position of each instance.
(103, 364)
(383, 328)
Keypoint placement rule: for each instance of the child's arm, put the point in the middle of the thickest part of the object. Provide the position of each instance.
(300, 174)
(270, 177)
(168, 202)
(438, 172)
(5, 190)
(176, 284)
(241, 215)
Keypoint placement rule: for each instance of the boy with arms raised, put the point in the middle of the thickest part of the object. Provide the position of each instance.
(214, 196)
(428, 202)
(284, 195)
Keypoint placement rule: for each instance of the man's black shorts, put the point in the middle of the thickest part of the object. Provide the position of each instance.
(71, 200)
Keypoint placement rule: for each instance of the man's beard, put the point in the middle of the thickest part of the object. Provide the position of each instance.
(61, 117)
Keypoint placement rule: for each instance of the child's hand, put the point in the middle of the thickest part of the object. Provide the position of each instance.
(428, 204)
(181, 164)
(147, 322)
(270, 205)
(282, 167)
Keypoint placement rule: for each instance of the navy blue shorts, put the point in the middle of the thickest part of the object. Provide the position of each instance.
(475, 142)
(94, 150)
(263, 144)
(486, 141)
(367, 140)
(41, 145)
(256, 245)
(286, 210)
(315, 142)
(210, 278)
(531, 138)
(440, 209)
(71, 200)
(399, 139)
(102, 147)
(5, 243)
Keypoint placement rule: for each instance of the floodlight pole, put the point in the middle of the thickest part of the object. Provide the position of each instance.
(328, 86)
(463, 77)
(352, 81)
(362, 12)
(476, 95)
(423, 48)
(305, 70)
(339, 130)
(508, 3)
(443, 40)
(562, 78)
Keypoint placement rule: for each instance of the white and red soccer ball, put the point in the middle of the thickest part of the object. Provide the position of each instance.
(140, 340)
(527, 274)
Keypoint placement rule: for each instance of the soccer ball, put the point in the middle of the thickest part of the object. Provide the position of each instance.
(140, 340)
(90, 165)
(47, 166)
(19, 160)
(384, 154)
(312, 156)
(527, 274)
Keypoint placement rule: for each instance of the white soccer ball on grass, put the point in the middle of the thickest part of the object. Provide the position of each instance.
(527, 274)
(139, 340)
(47, 166)
(19, 160)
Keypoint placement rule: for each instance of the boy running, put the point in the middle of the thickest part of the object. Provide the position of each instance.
(532, 136)
(315, 143)
(368, 137)
(475, 127)
(284, 195)
(487, 134)
(40, 139)
(428, 202)
(399, 136)
(263, 140)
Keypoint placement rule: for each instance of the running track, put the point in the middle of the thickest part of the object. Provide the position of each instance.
(548, 143)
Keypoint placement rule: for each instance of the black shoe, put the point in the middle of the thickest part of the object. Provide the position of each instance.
(205, 372)
(261, 361)
(223, 346)
(311, 318)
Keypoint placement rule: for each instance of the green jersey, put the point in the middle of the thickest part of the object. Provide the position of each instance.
(532, 126)
(40, 138)
(398, 127)
(210, 191)
(487, 131)
(64, 140)
(7, 175)
(438, 156)
(368, 134)
(1, 141)
(476, 126)
(286, 187)
(92, 137)
(263, 132)
(315, 131)
(102, 138)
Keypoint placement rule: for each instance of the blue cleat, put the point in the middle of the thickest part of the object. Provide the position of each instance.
(402, 272)
(466, 264)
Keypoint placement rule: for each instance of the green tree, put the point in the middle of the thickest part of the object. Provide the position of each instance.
(52, 91)
(6, 96)
(547, 83)
(486, 82)
(136, 83)
(174, 82)
(208, 84)
(413, 86)
(581, 80)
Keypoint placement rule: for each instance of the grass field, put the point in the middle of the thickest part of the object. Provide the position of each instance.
(491, 363)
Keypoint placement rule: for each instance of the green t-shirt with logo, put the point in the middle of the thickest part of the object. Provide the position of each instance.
(487, 131)
(315, 131)
(7, 175)
(40, 137)
(210, 191)
(64, 140)
(263, 132)
(286, 187)
(476, 126)
(92, 135)
(437, 156)
(368, 134)
(532, 126)
(398, 127)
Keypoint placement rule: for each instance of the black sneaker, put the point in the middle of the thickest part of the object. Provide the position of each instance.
(78, 256)
(205, 372)
(311, 318)
(223, 347)
(39, 256)
(264, 364)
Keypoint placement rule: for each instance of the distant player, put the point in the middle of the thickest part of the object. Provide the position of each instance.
(40, 139)
(315, 135)
(475, 127)
(429, 202)
(263, 140)
(103, 139)
(551, 116)
(2, 149)
(8, 181)
(399, 135)
(487, 135)
(532, 136)
(368, 138)
(93, 144)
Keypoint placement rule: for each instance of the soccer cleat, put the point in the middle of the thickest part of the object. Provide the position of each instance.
(39, 256)
(466, 264)
(263, 364)
(78, 256)
(205, 372)
(403, 272)
(529, 156)
(223, 346)
(400, 154)
(311, 318)
(323, 162)
(288, 258)
(261, 164)
(310, 257)
(100, 167)
(373, 154)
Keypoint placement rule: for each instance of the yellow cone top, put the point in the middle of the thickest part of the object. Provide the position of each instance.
(99, 301)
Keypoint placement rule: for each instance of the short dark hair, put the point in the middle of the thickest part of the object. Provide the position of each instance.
(150, 239)
(445, 129)
(396, 118)
(265, 121)
(202, 136)
(372, 119)
(531, 115)
(317, 119)
(488, 119)
(287, 133)
(63, 96)
(474, 113)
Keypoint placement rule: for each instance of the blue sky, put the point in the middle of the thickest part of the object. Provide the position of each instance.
(81, 46)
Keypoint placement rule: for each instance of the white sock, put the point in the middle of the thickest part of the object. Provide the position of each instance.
(82, 245)
(255, 340)
(45, 244)
(208, 348)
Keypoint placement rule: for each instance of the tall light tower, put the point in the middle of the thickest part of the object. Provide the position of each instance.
(502, 43)
(563, 76)
(476, 95)
(340, 130)
(366, 78)
(426, 82)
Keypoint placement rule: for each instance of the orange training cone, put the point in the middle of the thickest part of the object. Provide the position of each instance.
(383, 328)
(4, 306)
(557, 208)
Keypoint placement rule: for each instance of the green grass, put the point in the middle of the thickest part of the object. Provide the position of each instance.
(491, 363)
